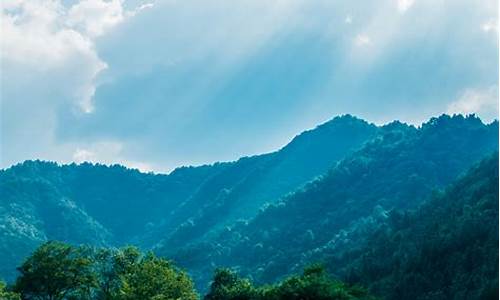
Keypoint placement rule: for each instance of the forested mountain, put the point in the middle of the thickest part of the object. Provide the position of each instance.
(396, 170)
(85, 203)
(445, 249)
(113, 205)
(243, 187)
(329, 195)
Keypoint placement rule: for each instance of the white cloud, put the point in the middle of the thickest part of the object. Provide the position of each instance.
(51, 39)
(81, 155)
(362, 40)
(31, 34)
(404, 5)
(490, 26)
(49, 62)
(36, 39)
(482, 102)
(108, 152)
(94, 17)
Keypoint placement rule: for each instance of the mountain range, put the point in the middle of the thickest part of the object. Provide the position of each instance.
(337, 194)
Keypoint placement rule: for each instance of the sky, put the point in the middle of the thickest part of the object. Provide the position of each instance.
(158, 84)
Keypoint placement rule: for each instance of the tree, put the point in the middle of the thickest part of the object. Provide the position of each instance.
(56, 271)
(313, 284)
(7, 295)
(154, 278)
(227, 285)
(111, 267)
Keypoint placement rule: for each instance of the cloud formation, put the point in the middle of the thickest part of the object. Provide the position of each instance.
(162, 84)
(473, 101)
(49, 62)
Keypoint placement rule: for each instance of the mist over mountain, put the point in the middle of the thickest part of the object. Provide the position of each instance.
(319, 198)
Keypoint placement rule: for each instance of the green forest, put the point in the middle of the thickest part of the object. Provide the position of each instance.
(60, 271)
(348, 210)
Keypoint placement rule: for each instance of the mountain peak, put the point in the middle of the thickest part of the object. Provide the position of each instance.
(445, 120)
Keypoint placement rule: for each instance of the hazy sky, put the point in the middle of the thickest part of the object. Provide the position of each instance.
(160, 84)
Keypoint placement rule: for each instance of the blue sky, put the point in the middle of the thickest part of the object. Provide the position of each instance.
(159, 84)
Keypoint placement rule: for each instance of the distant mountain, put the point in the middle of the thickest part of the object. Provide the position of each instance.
(398, 169)
(103, 205)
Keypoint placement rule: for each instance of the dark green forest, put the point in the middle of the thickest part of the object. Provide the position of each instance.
(60, 271)
(348, 210)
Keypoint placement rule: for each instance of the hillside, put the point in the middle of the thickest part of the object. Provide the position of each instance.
(241, 189)
(396, 170)
(267, 216)
(85, 203)
(112, 205)
(445, 249)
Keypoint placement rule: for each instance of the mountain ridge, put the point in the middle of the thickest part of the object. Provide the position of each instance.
(114, 205)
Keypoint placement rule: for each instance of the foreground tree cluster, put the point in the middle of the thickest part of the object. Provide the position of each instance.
(314, 283)
(59, 271)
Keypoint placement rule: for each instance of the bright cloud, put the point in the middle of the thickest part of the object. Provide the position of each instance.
(483, 102)
(491, 25)
(108, 153)
(362, 40)
(95, 17)
(49, 61)
(404, 5)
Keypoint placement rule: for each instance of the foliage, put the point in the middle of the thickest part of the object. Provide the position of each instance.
(313, 284)
(5, 294)
(155, 278)
(446, 249)
(397, 170)
(227, 285)
(112, 205)
(57, 271)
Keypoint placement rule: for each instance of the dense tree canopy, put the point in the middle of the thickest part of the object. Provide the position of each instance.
(6, 294)
(446, 249)
(58, 271)
(397, 170)
(313, 284)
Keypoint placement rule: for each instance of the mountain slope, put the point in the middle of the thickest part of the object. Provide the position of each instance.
(396, 170)
(446, 249)
(85, 203)
(103, 205)
(241, 189)
(194, 213)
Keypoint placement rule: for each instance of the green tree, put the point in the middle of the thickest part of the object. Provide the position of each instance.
(313, 284)
(154, 278)
(56, 271)
(7, 295)
(227, 285)
(111, 267)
